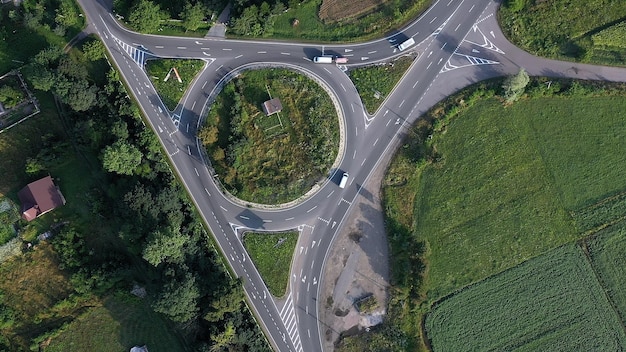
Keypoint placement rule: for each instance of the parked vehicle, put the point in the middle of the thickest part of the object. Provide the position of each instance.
(323, 59)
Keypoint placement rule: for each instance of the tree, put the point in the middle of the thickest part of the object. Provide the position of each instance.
(179, 299)
(514, 86)
(146, 16)
(121, 157)
(223, 339)
(66, 14)
(165, 247)
(94, 50)
(193, 16)
(208, 135)
(10, 96)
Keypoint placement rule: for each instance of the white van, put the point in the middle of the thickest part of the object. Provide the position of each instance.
(323, 59)
(344, 180)
(405, 44)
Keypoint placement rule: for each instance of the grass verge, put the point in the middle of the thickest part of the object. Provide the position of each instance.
(374, 83)
(558, 305)
(171, 91)
(271, 254)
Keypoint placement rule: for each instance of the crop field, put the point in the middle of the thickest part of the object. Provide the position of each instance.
(271, 254)
(508, 179)
(556, 28)
(171, 91)
(607, 251)
(550, 303)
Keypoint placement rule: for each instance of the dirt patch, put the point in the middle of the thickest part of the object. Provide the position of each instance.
(337, 10)
(357, 267)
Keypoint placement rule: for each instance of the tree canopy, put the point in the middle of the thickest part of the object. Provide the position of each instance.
(121, 157)
(146, 16)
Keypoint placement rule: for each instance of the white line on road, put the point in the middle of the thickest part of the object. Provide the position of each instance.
(193, 105)
(433, 20)
(444, 45)
(450, 2)
(238, 56)
(159, 46)
(285, 53)
(189, 150)
(371, 52)
(224, 209)
(416, 82)
(354, 155)
(204, 84)
(187, 127)
(227, 49)
(205, 48)
(310, 210)
(439, 61)
(471, 8)
(291, 218)
(197, 174)
(181, 47)
(376, 141)
(457, 27)
(429, 65)
(430, 53)
(363, 162)
(207, 191)
(267, 221)
(330, 194)
(261, 52)
(244, 217)
(344, 88)
(327, 70)
(217, 69)
(401, 103)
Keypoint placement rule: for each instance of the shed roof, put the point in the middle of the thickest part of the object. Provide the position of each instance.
(272, 106)
(39, 197)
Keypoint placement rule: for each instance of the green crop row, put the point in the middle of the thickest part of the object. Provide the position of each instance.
(551, 303)
(601, 214)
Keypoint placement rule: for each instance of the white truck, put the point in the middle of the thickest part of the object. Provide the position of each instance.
(344, 180)
(405, 44)
(327, 59)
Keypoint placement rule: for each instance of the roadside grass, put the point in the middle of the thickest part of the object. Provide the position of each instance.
(172, 91)
(117, 324)
(558, 30)
(175, 29)
(387, 17)
(550, 303)
(272, 254)
(9, 215)
(374, 83)
(607, 251)
(259, 160)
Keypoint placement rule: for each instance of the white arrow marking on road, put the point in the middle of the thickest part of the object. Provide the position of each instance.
(105, 35)
(232, 258)
(264, 295)
(294, 276)
(364, 58)
(253, 296)
(304, 278)
(386, 111)
(206, 54)
(493, 35)
(301, 249)
(430, 53)
(160, 129)
(475, 51)
(244, 257)
(314, 281)
(334, 223)
(397, 121)
(312, 244)
(347, 50)
(199, 43)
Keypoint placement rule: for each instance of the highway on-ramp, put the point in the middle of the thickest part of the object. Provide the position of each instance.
(458, 42)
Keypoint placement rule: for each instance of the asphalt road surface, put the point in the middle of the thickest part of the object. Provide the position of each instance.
(458, 43)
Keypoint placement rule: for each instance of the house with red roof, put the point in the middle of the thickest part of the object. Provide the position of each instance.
(40, 197)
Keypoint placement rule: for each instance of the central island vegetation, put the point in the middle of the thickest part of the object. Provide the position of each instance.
(277, 158)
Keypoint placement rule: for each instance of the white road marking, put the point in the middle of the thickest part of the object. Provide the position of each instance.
(330, 194)
(310, 210)
(207, 191)
(450, 2)
(327, 70)
(217, 69)
(344, 88)
(352, 106)
(226, 49)
(429, 65)
(224, 209)
(430, 53)
(267, 221)
(197, 174)
(416, 82)
(261, 52)
(401, 103)
(376, 141)
(187, 127)
(204, 84)
(159, 46)
(433, 20)
(457, 27)
(193, 105)
(244, 217)
(205, 48)
(289, 219)
(189, 150)
(181, 47)
(371, 52)
(285, 53)
(354, 155)
(238, 56)
(444, 45)
(471, 8)
(363, 162)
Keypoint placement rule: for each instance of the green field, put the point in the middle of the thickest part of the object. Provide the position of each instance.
(607, 251)
(557, 29)
(118, 325)
(381, 79)
(271, 254)
(550, 303)
(172, 91)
